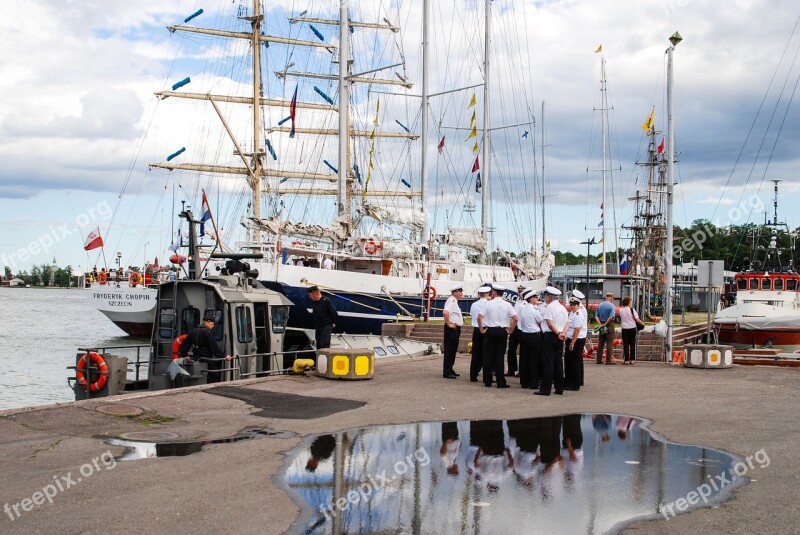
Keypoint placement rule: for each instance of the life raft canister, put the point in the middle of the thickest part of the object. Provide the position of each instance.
(176, 346)
(82, 371)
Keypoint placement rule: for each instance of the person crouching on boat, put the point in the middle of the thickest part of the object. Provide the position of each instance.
(453, 320)
(325, 317)
(203, 345)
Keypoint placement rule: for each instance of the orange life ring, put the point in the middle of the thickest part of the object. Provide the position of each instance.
(176, 346)
(135, 279)
(82, 371)
(371, 247)
(429, 293)
(102, 277)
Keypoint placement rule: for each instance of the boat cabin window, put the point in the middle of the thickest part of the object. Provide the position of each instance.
(779, 284)
(766, 284)
(742, 284)
(219, 328)
(166, 323)
(190, 318)
(791, 285)
(754, 283)
(244, 324)
(280, 316)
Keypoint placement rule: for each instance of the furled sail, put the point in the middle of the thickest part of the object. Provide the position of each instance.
(407, 217)
(466, 237)
(338, 231)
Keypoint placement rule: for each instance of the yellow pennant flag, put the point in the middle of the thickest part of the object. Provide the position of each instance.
(472, 119)
(599, 50)
(475, 148)
(377, 109)
(650, 121)
(472, 102)
(472, 134)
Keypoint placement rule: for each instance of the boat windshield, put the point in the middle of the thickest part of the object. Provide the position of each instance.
(779, 284)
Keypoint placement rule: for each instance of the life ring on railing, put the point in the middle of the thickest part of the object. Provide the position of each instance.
(102, 277)
(82, 371)
(429, 293)
(176, 346)
(371, 247)
(135, 279)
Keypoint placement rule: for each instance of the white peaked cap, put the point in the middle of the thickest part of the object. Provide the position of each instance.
(456, 288)
(552, 291)
(497, 287)
(577, 293)
(485, 289)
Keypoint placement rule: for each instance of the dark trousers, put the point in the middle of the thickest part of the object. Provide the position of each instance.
(451, 337)
(573, 364)
(323, 336)
(607, 341)
(494, 347)
(476, 362)
(629, 344)
(552, 363)
(530, 359)
(513, 344)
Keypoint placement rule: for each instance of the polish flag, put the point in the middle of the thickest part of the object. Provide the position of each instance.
(93, 240)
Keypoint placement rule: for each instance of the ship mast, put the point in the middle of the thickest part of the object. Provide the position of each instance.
(257, 153)
(343, 192)
(486, 135)
(603, 128)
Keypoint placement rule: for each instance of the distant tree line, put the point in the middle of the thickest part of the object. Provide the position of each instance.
(45, 275)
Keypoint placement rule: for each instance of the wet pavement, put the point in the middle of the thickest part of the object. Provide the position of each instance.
(577, 473)
(59, 476)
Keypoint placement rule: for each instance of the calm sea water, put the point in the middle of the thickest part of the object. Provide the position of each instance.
(40, 332)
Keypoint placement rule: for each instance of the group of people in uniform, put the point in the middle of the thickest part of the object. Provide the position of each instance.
(550, 338)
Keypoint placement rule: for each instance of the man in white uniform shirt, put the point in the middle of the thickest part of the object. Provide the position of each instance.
(497, 321)
(576, 339)
(513, 339)
(554, 326)
(530, 349)
(453, 320)
(476, 362)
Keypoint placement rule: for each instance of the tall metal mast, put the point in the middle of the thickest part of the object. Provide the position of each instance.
(544, 236)
(674, 40)
(342, 196)
(425, 98)
(486, 135)
(604, 136)
(257, 162)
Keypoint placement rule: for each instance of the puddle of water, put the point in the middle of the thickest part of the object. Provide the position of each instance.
(147, 450)
(580, 473)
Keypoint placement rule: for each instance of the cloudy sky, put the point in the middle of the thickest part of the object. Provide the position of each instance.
(79, 122)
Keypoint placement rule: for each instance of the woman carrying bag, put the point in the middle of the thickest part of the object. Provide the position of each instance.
(630, 324)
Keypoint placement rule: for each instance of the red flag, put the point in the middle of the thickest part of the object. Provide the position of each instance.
(293, 110)
(661, 146)
(476, 165)
(93, 240)
(441, 145)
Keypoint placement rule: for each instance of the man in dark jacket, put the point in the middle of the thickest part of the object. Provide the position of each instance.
(201, 338)
(325, 317)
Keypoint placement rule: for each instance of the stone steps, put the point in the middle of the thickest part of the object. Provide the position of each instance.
(649, 346)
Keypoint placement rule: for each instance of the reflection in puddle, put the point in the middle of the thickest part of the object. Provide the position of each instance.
(146, 450)
(589, 473)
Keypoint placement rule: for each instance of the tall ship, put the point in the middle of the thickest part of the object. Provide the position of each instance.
(766, 311)
(335, 171)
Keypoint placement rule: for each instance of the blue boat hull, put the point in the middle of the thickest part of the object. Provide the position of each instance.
(359, 313)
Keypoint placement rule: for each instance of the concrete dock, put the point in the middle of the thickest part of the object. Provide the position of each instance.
(233, 488)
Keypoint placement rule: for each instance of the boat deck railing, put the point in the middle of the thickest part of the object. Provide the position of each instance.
(135, 358)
